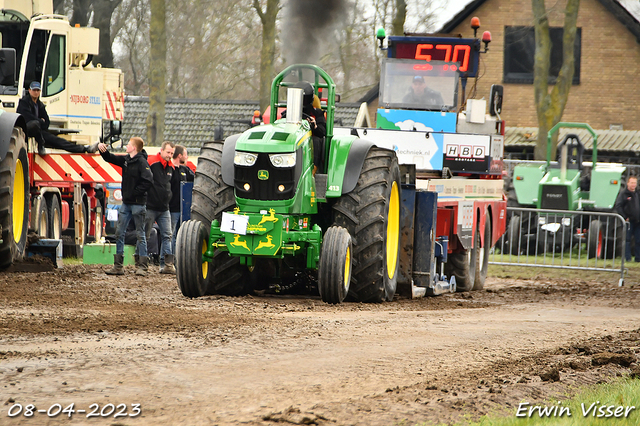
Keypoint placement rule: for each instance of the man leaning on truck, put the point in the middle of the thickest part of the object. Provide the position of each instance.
(35, 114)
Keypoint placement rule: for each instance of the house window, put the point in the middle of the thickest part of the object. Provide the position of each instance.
(519, 49)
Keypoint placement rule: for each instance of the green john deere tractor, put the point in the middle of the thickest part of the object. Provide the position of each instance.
(262, 214)
(568, 185)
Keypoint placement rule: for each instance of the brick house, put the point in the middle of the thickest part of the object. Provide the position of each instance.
(606, 93)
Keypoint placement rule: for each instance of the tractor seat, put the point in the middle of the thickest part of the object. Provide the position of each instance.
(575, 151)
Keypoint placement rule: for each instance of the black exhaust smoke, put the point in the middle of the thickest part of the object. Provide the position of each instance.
(309, 28)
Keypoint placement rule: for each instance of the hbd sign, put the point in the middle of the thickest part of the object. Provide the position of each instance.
(464, 151)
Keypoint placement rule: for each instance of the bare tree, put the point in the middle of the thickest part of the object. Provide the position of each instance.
(268, 18)
(132, 45)
(400, 17)
(550, 104)
(157, 73)
(103, 11)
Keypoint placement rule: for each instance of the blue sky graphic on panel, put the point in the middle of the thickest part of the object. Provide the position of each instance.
(419, 120)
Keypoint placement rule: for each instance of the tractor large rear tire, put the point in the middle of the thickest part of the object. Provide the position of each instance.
(14, 199)
(371, 214)
(211, 196)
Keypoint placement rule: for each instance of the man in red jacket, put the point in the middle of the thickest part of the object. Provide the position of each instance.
(158, 203)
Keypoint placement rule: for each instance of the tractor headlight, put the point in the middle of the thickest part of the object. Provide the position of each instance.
(244, 159)
(566, 221)
(542, 220)
(283, 160)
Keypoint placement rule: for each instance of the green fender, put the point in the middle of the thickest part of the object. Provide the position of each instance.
(345, 163)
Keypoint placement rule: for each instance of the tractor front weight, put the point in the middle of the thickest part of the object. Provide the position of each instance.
(265, 234)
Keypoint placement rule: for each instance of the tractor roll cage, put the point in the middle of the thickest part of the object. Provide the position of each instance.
(594, 155)
(319, 74)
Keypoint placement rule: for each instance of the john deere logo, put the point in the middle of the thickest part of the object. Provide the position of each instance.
(263, 174)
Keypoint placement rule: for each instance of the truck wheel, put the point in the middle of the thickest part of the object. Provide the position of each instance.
(97, 224)
(334, 271)
(192, 273)
(482, 265)
(211, 196)
(371, 214)
(55, 218)
(595, 239)
(613, 246)
(513, 234)
(14, 199)
(42, 228)
(71, 249)
(463, 266)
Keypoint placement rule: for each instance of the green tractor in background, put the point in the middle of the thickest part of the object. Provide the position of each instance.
(262, 215)
(568, 185)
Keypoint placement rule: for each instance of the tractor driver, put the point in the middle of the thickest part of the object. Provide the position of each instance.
(421, 95)
(315, 116)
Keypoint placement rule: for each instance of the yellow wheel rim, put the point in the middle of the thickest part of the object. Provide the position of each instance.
(393, 230)
(347, 268)
(205, 265)
(18, 202)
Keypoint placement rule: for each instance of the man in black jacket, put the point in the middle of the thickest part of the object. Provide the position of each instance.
(158, 203)
(182, 173)
(35, 114)
(136, 181)
(628, 206)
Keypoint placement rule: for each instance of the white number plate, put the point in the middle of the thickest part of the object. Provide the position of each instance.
(234, 223)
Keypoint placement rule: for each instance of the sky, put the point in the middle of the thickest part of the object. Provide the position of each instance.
(449, 10)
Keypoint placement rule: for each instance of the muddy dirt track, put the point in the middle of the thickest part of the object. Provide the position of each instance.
(78, 336)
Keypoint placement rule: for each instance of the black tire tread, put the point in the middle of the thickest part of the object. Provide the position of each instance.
(332, 264)
(362, 212)
(53, 204)
(483, 269)
(188, 259)
(9, 250)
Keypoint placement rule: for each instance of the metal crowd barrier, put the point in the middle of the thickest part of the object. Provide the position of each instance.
(581, 240)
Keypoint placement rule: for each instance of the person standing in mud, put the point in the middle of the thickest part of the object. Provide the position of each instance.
(158, 203)
(136, 181)
(628, 206)
(184, 171)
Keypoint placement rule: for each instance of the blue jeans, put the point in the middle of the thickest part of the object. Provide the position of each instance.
(633, 230)
(175, 225)
(163, 219)
(138, 213)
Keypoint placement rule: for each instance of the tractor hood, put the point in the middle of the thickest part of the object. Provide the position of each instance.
(280, 137)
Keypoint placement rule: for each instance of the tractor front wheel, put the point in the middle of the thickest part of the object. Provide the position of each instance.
(334, 271)
(192, 272)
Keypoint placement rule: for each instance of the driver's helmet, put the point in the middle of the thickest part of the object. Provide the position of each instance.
(307, 90)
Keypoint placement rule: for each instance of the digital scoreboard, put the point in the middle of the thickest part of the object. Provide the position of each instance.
(461, 53)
